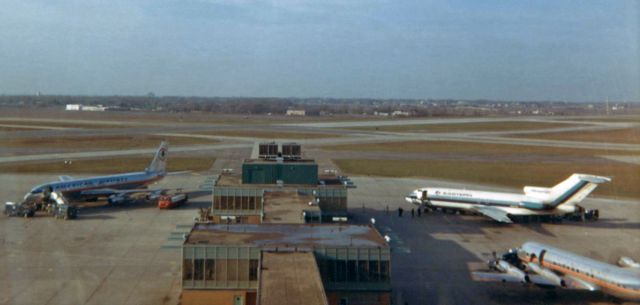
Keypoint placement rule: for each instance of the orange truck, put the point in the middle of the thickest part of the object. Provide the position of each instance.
(172, 201)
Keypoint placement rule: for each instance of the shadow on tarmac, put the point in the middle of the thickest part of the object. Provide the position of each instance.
(429, 270)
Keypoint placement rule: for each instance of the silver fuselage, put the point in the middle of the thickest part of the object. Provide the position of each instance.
(617, 281)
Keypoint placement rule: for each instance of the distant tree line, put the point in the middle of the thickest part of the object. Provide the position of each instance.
(322, 106)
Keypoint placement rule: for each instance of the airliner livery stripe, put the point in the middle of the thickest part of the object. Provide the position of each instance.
(98, 186)
(474, 201)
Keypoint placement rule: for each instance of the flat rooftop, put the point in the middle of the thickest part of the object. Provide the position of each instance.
(286, 206)
(235, 180)
(290, 278)
(286, 161)
(286, 235)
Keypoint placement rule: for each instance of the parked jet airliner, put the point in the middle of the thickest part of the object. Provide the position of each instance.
(560, 200)
(545, 266)
(115, 187)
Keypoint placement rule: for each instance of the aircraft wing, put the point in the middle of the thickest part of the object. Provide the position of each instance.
(541, 281)
(494, 213)
(65, 178)
(579, 284)
(496, 277)
(179, 173)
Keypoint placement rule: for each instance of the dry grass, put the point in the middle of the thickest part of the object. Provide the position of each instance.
(5, 128)
(468, 127)
(269, 134)
(627, 135)
(612, 118)
(108, 166)
(473, 148)
(149, 117)
(625, 176)
(101, 142)
(44, 123)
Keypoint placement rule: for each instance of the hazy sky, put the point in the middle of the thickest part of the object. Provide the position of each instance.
(523, 50)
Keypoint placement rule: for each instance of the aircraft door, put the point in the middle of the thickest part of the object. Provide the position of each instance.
(541, 259)
(425, 198)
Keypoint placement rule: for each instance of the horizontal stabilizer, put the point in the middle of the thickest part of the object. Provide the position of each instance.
(494, 213)
(180, 173)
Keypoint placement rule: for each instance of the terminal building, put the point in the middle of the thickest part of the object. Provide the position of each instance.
(279, 187)
(277, 235)
(249, 264)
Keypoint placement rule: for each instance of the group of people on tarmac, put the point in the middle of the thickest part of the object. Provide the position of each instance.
(413, 211)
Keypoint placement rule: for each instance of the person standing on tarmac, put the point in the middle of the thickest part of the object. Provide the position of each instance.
(413, 213)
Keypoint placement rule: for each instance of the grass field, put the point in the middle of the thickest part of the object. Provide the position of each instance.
(473, 148)
(101, 142)
(108, 166)
(468, 127)
(625, 176)
(269, 134)
(626, 135)
(6, 128)
(611, 118)
(65, 124)
(149, 117)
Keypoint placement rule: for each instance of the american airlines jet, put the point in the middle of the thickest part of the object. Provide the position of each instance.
(558, 201)
(545, 266)
(115, 187)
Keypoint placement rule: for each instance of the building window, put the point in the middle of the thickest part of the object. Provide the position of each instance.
(374, 271)
(341, 271)
(331, 270)
(210, 270)
(221, 270)
(232, 267)
(344, 301)
(252, 203)
(198, 269)
(352, 271)
(363, 271)
(384, 271)
(253, 270)
(187, 269)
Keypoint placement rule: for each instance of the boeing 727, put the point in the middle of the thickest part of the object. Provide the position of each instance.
(558, 201)
(115, 187)
(545, 266)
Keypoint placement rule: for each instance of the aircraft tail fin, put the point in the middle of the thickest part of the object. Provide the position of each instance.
(159, 162)
(574, 189)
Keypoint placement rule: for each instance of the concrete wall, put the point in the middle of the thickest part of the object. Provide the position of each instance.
(250, 219)
(217, 297)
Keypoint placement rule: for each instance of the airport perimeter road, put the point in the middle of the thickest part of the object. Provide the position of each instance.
(433, 255)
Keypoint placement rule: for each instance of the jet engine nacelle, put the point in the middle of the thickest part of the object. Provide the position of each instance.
(505, 267)
(547, 274)
(537, 192)
(116, 199)
(627, 262)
